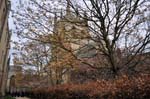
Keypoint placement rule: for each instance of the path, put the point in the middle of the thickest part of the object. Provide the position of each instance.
(21, 98)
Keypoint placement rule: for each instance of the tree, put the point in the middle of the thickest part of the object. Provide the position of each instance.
(116, 26)
(112, 21)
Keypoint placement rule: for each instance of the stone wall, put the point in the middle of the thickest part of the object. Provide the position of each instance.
(4, 44)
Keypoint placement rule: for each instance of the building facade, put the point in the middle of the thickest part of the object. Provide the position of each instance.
(4, 44)
(13, 72)
(73, 33)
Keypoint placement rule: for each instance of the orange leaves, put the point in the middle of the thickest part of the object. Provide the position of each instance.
(121, 88)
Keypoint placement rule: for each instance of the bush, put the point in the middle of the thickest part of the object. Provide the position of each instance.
(9, 97)
(123, 87)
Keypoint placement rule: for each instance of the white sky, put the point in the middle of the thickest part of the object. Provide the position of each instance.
(14, 4)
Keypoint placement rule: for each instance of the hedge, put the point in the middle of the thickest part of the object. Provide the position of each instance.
(124, 87)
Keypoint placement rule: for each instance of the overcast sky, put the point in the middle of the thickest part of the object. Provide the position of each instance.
(14, 4)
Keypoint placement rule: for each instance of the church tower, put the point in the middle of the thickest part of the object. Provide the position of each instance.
(72, 32)
(72, 27)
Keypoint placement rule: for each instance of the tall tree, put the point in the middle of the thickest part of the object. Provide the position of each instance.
(117, 29)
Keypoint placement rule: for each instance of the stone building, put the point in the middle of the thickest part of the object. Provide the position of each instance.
(4, 44)
(14, 72)
(72, 32)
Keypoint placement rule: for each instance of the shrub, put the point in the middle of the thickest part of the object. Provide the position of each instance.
(123, 87)
(9, 97)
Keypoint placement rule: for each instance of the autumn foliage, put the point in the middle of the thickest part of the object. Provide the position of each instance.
(124, 87)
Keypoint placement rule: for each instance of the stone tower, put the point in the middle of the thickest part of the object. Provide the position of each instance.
(72, 32)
